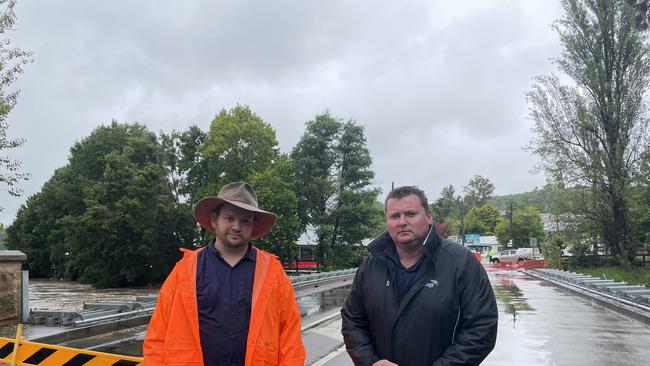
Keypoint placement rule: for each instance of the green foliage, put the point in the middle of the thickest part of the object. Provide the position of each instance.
(3, 237)
(526, 224)
(449, 227)
(631, 275)
(552, 248)
(116, 214)
(590, 135)
(12, 61)
(332, 166)
(541, 198)
(447, 206)
(274, 187)
(240, 146)
(478, 191)
(482, 220)
(640, 202)
(642, 17)
(107, 218)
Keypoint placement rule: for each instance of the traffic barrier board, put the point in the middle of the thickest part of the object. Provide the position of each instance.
(40, 354)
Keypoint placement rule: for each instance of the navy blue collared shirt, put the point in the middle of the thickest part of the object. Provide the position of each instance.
(224, 296)
(405, 276)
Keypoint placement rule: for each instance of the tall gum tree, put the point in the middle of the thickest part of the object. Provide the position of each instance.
(591, 132)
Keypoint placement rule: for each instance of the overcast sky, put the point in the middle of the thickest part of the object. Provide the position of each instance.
(439, 85)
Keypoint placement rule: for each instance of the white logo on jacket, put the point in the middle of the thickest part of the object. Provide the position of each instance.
(431, 284)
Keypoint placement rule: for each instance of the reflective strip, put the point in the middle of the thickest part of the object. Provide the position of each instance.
(32, 354)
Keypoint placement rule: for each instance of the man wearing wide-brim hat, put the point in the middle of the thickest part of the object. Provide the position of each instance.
(228, 303)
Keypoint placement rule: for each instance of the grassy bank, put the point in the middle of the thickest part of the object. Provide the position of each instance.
(633, 276)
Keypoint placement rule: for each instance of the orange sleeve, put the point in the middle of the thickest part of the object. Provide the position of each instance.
(153, 347)
(292, 350)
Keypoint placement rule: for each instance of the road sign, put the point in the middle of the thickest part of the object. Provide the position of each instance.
(472, 238)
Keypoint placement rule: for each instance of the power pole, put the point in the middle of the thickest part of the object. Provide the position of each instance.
(510, 219)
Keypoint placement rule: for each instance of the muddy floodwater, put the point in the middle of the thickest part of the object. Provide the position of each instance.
(66, 295)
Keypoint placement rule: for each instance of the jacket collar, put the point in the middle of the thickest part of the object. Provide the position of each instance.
(380, 246)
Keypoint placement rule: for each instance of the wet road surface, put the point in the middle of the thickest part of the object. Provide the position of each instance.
(540, 324)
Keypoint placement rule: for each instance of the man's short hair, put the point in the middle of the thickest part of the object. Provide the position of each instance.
(217, 210)
(401, 192)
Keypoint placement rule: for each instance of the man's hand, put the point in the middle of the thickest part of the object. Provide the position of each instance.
(384, 363)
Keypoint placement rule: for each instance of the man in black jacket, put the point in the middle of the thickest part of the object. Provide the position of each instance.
(418, 299)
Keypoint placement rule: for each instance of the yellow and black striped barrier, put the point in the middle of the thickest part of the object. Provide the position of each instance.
(24, 353)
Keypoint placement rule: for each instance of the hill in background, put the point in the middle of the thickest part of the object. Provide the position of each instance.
(541, 198)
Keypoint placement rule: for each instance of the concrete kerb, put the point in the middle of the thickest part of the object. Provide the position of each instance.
(634, 308)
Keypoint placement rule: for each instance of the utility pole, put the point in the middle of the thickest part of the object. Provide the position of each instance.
(510, 219)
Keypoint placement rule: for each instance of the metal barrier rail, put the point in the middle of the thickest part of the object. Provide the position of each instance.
(25, 353)
(297, 280)
(95, 312)
(554, 276)
(143, 305)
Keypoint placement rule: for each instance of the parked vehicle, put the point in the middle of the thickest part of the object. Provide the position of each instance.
(514, 255)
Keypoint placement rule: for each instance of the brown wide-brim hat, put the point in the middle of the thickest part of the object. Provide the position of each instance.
(239, 194)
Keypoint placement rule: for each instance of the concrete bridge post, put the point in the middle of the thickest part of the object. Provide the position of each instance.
(11, 302)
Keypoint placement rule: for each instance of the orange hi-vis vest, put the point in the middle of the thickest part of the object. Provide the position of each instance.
(273, 333)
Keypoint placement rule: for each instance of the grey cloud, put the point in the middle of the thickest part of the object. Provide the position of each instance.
(438, 86)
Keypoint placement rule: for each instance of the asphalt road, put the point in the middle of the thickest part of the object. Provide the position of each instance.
(539, 324)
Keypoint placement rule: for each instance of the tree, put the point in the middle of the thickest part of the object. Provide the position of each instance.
(275, 189)
(642, 17)
(641, 201)
(590, 134)
(482, 220)
(241, 146)
(526, 224)
(186, 173)
(448, 227)
(108, 217)
(12, 61)
(337, 202)
(238, 144)
(478, 191)
(447, 206)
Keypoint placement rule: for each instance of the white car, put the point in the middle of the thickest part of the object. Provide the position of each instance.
(513, 255)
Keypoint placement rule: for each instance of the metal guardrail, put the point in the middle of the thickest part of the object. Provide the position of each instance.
(614, 290)
(313, 277)
(94, 312)
(105, 311)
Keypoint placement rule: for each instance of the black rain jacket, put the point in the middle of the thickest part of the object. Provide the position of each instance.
(448, 316)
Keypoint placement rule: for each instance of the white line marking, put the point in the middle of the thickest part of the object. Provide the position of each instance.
(330, 356)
